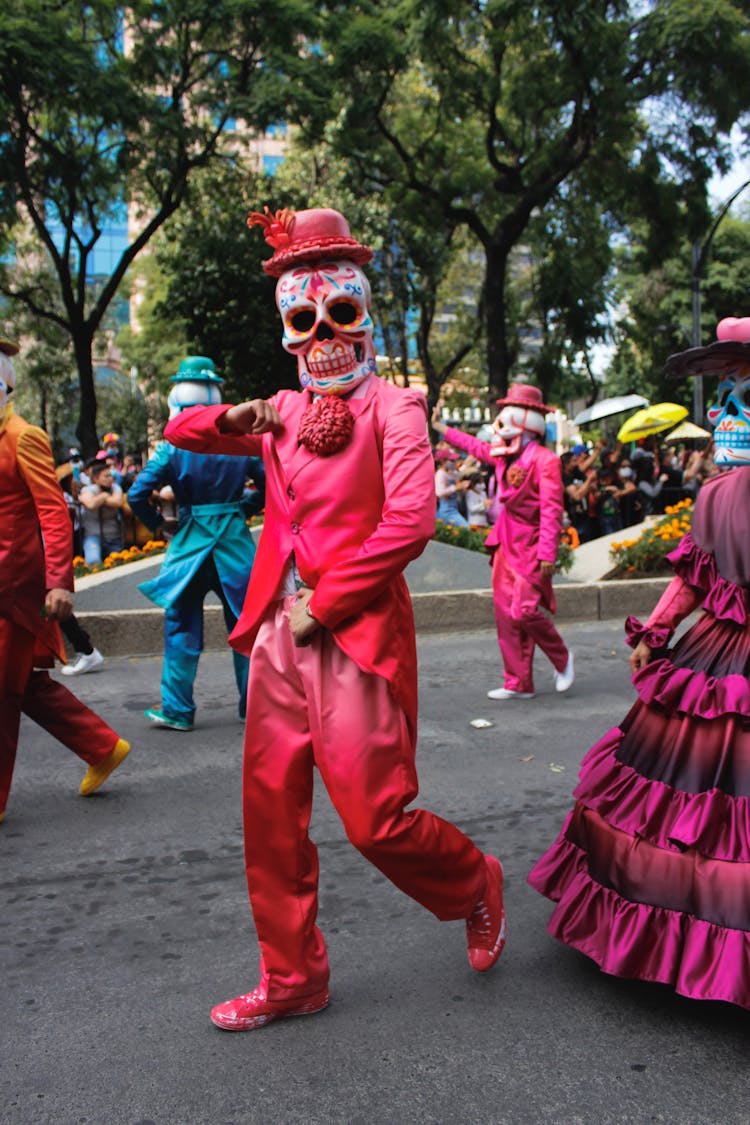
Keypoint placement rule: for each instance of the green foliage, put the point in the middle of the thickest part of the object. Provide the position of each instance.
(474, 539)
(87, 127)
(484, 115)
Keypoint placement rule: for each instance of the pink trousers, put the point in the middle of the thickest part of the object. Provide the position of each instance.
(312, 706)
(522, 624)
(47, 702)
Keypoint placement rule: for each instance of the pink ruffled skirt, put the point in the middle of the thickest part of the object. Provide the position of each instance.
(651, 871)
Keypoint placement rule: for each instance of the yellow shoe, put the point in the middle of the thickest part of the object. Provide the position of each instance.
(98, 774)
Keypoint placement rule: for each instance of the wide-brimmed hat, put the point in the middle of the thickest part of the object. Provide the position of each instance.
(527, 395)
(302, 237)
(446, 455)
(731, 350)
(9, 347)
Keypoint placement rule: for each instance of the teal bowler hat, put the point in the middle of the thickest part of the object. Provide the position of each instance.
(196, 369)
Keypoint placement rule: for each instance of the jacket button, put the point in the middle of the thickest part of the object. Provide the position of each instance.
(295, 529)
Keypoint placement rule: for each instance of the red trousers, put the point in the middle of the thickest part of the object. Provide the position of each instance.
(522, 624)
(312, 706)
(47, 702)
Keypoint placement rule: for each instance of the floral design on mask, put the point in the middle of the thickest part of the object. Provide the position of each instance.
(325, 310)
(730, 417)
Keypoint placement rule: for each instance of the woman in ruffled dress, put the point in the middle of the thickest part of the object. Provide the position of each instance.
(651, 871)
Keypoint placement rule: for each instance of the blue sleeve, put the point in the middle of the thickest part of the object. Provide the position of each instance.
(150, 479)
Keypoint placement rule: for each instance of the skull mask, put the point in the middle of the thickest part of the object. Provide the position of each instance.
(730, 417)
(7, 380)
(325, 309)
(510, 426)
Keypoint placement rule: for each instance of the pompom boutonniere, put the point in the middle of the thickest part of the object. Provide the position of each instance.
(326, 426)
(515, 476)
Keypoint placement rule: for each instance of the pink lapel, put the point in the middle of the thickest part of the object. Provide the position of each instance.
(296, 457)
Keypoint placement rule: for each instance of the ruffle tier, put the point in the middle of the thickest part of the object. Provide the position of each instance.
(713, 823)
(698, 959)
(684, 691)
(724, 599)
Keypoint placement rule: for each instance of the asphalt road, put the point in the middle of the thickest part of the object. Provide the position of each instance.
(125, 919)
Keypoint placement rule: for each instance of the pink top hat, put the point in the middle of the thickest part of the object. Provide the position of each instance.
(299, 237)
(525, 395)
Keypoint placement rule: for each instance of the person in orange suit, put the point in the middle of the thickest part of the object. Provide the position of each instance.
(36, 583)
(329, 628)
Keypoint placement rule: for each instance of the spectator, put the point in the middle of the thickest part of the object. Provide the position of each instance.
(578, 479)
(649, 478)
(101, 513)
(448, 487)
(477, 502)
(630, 502)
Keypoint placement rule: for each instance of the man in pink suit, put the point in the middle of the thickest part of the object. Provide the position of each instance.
(523, 541)
(328, 621)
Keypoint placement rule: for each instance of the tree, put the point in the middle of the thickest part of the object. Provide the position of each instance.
(658, 318)
(108, 110)
(484, 109)
(205, 293)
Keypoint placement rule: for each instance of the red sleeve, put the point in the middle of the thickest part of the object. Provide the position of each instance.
(35, 464)
(197, 429)
(406, 525)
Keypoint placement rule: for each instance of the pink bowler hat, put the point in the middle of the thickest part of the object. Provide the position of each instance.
(731, 349)
(526, 395)
(300, 237)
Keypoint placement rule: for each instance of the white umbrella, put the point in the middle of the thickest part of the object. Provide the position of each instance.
(608, 406)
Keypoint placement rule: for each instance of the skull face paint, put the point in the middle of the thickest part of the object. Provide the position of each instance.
(510, 425)
(7, 380)
(325, 309)
(730, 417)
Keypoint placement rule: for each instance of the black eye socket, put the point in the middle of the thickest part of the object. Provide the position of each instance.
(303, 320)
(343, 312)
(724, 396)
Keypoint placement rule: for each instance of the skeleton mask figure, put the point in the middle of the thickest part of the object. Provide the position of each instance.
(514, 427)
(195, 384)
(730, 417)
(325, 310)
(7, 380)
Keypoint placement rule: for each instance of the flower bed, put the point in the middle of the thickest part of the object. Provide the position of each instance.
(646, 556)
(130, 554)
(473, 539)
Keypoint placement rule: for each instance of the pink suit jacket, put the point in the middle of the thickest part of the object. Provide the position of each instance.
(353, 521)
(530, 518)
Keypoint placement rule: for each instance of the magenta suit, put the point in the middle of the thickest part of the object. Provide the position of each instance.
(347, 701)
(526, 533)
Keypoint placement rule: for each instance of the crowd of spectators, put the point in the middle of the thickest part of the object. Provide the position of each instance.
(610, 486)
(607, 487)
(96, 494)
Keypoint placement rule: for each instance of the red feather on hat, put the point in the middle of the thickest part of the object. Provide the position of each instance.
(276, 228)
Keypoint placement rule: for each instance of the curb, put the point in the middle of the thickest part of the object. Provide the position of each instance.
(136, 632)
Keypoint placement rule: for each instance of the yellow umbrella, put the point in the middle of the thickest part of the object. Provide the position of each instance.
(688, 431)
(651, 420)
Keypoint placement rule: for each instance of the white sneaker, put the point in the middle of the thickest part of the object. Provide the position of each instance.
(564, 679)
(84, 662)
(508, 693)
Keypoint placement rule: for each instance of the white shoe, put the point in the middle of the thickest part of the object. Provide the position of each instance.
(564, 679)
(508, 693)
(84, 662)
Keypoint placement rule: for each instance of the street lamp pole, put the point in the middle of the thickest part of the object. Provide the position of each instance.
(698, 262)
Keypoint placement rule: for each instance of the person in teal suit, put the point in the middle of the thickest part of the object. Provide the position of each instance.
(212, 549)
